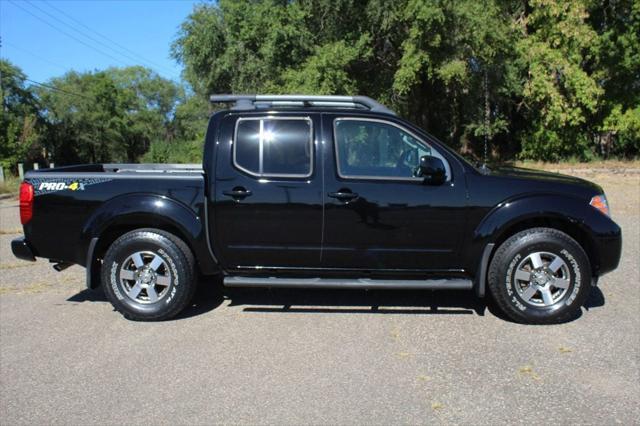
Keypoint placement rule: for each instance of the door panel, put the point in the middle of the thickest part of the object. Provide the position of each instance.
(268, 199)
(391, 220)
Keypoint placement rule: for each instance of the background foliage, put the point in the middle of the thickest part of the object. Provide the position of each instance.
(538, 79)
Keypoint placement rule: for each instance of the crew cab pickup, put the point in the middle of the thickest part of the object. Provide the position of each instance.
(321, 191)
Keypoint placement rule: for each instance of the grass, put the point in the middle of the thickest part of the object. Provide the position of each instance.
(527, 370)
(13, 231)
(14, 265)
(437, 405)
(596, 164)
(30, 289)
(10, 185)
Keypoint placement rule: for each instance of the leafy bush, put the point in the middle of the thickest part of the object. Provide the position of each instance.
(174, 152)
(10, 185)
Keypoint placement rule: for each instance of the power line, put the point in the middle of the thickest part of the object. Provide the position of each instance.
(57, 89)
(134, 57)
(47, 86)
(67, 34)
(35, 55)
(137, 55)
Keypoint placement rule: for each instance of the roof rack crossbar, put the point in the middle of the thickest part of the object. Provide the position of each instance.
(243, 102)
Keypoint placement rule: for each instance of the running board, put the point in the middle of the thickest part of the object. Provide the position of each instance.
(364, 283)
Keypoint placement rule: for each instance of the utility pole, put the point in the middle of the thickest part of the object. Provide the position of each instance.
(487, 117)
(4, 109)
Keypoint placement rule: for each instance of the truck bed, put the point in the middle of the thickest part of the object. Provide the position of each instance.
(73, 204)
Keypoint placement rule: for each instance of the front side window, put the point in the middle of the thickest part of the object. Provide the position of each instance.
(376, 149)
(267, 147)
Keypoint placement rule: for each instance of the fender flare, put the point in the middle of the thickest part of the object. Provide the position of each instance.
(509, 213)
(147, 210)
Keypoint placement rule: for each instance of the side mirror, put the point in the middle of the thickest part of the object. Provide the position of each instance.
(432, 170)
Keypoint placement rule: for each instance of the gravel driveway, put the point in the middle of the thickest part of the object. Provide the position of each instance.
(321, 357)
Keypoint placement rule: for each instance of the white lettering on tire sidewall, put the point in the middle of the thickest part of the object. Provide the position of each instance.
(174, 275)
(114, 281)
(509, 283)
(577, 277)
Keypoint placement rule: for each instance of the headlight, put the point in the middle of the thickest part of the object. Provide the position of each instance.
(600, 203)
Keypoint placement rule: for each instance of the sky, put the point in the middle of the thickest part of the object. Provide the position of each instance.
(47, 38)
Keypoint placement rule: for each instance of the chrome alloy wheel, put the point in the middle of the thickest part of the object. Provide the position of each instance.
(145, 277)
(542, 279)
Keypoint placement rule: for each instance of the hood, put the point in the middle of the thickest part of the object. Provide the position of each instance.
(543, 177)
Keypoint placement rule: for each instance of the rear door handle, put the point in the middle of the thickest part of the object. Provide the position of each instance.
(237, 193)
(344, 196)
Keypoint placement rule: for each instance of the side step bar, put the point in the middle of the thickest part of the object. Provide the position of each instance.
(364, 283)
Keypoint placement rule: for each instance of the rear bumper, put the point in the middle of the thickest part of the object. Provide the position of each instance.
(22, 250)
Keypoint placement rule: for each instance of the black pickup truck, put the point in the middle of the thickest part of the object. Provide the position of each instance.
(321, 191)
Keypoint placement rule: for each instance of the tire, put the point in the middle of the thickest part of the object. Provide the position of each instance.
(149, 275)
(540, 276)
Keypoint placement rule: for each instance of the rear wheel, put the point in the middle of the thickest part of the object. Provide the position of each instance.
(149, 275)
(540, 276)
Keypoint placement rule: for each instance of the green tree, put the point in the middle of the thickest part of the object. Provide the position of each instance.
(110, 115)
(539, 79)
(423, 58)
(83, 118)
(187, 130)
(453, 61)
(559, 93)
(547, 78)
(236, 46)
(20, 120)
(190, 118)
(150, 102)
(617, 64)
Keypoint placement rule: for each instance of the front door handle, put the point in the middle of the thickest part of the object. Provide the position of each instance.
(344, 196)
(237, 193)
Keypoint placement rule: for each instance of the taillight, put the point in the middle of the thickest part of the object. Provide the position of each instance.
(26, 202)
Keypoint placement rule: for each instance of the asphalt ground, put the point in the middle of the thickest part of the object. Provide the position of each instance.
(320, 357)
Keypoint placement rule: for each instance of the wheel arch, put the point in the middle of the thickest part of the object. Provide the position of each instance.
(134, 211)
(574, 230)
(570, 215)
(116, 230)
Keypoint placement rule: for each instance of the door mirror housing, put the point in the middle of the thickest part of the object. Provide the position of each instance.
(432, 170)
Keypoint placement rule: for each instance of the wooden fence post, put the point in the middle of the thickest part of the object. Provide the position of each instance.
(21, 171)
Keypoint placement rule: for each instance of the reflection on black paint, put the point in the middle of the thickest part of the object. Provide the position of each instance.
(369, 213)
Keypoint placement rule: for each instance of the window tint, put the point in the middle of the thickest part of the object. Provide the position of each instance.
(247, 146)
(375, 149)
(287, 148)
(274, 147)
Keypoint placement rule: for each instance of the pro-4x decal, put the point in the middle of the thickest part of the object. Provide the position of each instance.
(43, 186)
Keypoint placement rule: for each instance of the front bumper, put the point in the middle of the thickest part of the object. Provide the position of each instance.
(609, 248)
(22, 250)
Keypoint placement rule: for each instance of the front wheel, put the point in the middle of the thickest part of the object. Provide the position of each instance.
(149, 275)
(540, 276)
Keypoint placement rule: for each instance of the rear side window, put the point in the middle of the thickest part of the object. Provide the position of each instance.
(274, 147)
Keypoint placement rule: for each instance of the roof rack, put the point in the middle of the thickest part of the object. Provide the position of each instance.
(244, 102)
